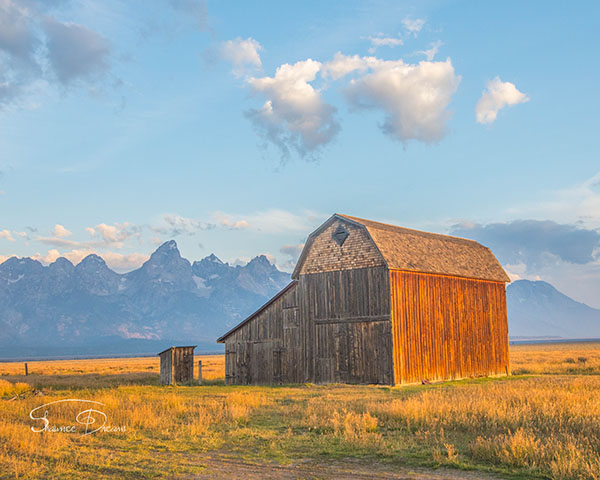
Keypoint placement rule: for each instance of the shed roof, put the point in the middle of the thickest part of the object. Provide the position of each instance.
(171, 348)
(413, 250)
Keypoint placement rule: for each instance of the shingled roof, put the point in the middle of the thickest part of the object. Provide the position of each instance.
(413, 250)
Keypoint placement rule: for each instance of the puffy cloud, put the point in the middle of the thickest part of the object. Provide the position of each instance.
(30, 40)
(414, 97)
(102, 235)
(535, 243)
(60, 231)
(75, 51)
(242, 53)
(497, 95)
(116, 233)
(17, 38)
(227, 221)
(413, 25)
(341, 65)
(18, 42)
(294, 116)
(6, 235)
(117, 261)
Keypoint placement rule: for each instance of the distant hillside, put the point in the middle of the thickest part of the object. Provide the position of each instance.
(537, 309)
(88, 308)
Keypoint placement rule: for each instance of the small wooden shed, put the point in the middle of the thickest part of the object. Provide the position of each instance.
(376, 303)
(177, 365)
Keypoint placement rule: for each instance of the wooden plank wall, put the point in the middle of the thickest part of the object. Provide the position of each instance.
(254, 353)
(166, 367)
(183, 364)
(345, 317)
(447, 327)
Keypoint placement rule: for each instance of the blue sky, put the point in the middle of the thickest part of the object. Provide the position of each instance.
(238, 127)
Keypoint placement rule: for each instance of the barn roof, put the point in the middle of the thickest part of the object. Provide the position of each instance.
(222, 338)
(413, 250)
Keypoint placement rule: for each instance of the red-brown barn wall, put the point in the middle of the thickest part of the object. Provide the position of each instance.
(447, 327)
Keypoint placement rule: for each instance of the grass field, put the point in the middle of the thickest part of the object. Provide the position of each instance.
(542, 422)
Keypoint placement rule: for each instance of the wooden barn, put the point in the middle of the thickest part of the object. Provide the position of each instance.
(376, 303)
(177, 365)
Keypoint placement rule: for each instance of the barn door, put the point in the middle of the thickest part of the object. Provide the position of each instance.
(291, 357)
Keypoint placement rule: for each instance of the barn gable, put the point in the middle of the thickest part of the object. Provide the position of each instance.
(339, 244)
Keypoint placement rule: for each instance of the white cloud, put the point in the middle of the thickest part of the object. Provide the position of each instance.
(414, 98)
(413, 25)
(117, 261)
(341, 65)
(431, 52)
(116, 233)
(381, 41)
(242, 53)
(60, 231)
(6, 234)
(224, 220)
(38, 50)
(497, 95)
(294, 116)
(75, 51)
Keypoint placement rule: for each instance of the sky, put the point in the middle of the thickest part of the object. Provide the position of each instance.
(237, 128)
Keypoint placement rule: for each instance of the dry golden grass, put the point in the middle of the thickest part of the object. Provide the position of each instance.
(537, 426)
(213, 366)
(554, 358)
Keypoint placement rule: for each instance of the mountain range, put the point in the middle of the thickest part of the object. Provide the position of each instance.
(64, 309)
(537, 309)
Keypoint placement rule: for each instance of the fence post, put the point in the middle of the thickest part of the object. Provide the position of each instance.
(199, 372)
(26, 371)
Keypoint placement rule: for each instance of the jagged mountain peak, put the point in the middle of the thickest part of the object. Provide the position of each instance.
(21, 265)
(213, 258)
(168, 247)
(91, 261)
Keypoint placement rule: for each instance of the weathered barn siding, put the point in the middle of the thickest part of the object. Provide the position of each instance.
(447, 327)
(323, 254)
(176, 365)
(347, 327)
(376, 303)
(254, 353)
(166, 367)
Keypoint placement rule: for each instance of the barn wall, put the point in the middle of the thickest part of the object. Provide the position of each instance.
(255, 354)
(447, 327)
(357, 251)
(345, 326)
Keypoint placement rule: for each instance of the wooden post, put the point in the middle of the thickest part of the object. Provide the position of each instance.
(26, 371)
(199, 372)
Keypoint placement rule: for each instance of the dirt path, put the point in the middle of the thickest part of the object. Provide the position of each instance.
(219, 467)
